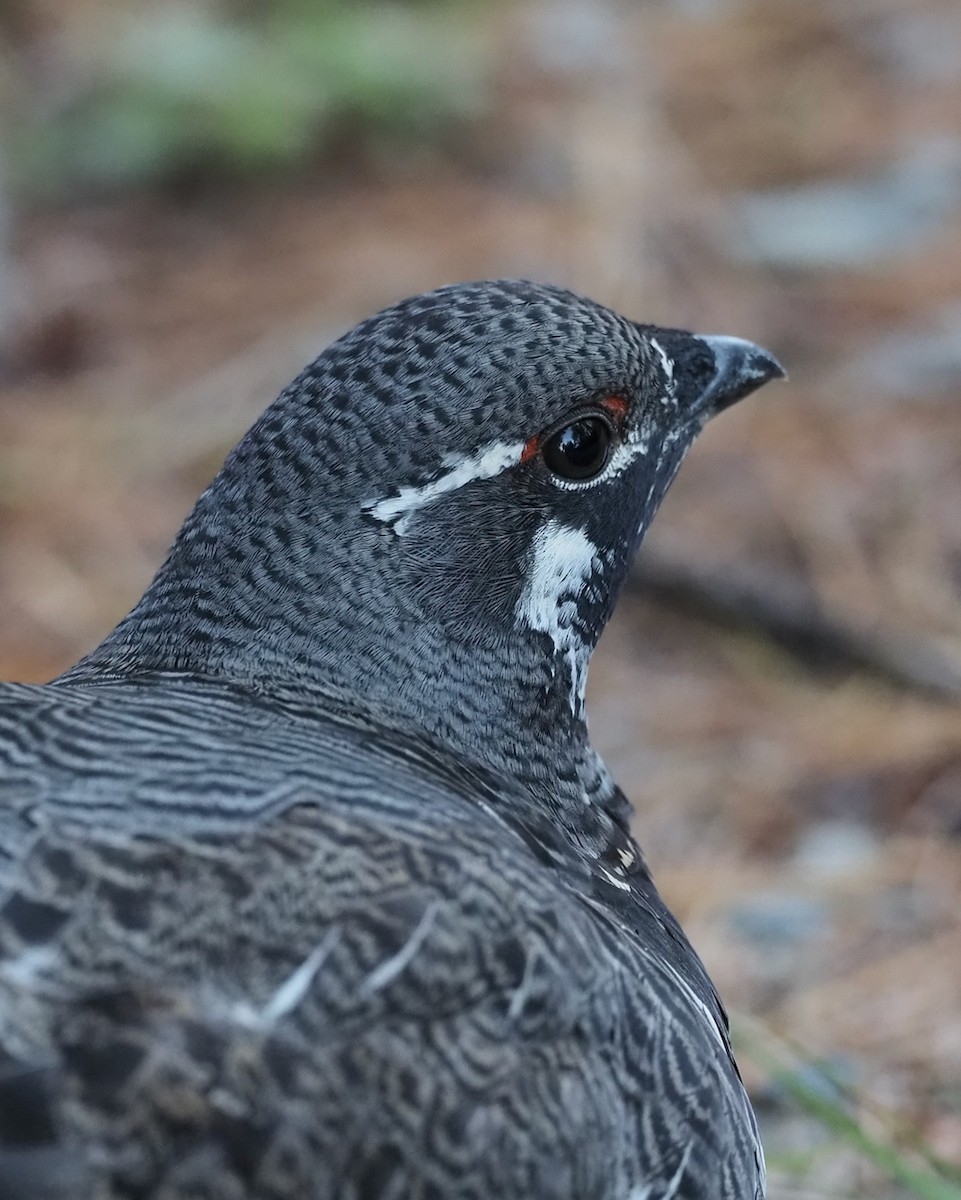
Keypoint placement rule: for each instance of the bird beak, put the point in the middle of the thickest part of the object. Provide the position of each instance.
(740, 368)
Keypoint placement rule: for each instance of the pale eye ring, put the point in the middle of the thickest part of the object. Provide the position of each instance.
(580, 450)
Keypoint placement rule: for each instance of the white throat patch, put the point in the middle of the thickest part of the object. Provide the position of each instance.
(397, 511)
(563, 560)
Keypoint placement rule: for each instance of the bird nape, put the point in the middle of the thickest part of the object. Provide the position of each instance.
(311, 883)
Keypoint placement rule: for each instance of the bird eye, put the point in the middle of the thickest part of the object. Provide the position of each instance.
(579, 450)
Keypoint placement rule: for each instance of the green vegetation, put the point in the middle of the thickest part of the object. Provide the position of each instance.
(899, 1156)
(176, 89)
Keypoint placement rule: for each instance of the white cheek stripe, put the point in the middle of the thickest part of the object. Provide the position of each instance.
(563, 560)
(397, 510)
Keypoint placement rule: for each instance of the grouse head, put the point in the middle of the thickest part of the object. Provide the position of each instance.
(436, 516)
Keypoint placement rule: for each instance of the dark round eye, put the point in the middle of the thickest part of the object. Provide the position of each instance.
(579, 450)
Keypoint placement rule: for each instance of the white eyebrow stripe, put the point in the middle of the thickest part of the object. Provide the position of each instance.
(491, 460)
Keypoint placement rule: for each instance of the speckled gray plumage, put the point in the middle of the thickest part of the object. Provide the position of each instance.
(311, 883)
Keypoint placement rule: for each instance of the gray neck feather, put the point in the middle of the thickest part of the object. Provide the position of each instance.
(258, 591)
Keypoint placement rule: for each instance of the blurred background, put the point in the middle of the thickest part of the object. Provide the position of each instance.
(196, 197)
